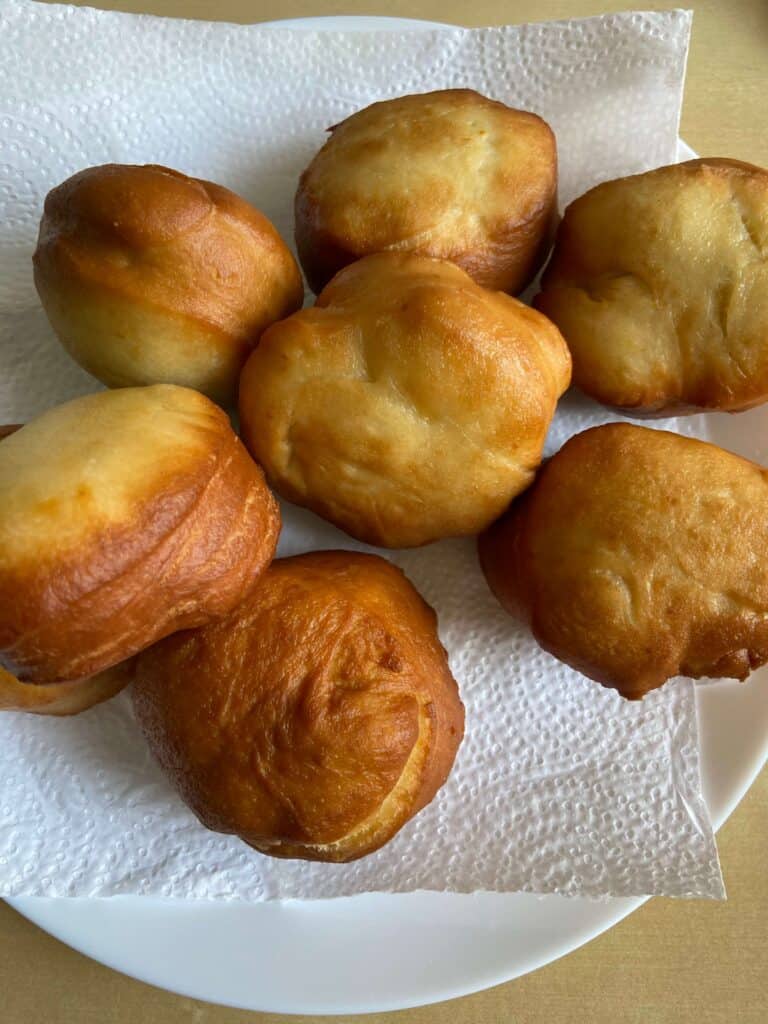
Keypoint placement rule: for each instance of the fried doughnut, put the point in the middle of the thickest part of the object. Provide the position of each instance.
(315, 720)
(659, 283)
(124, 516)
(151, 277)
(409, 404)
(638, 555)
(450, 174)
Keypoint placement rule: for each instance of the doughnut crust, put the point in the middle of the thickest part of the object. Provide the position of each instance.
(450, 174)
(639, 555)
(62, 698)
(124, 516)
(409, 404)
(314, 721)
(659, 283)
(151, 277)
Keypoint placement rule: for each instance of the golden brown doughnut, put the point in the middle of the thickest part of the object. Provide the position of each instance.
(124, 516)
(409, 404)
(450, 174)
(151, 277)
(317, 719)
(638, 555)
(659, 283)
(62, 698)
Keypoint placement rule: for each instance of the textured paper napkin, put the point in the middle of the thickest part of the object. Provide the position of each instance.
(559, 786)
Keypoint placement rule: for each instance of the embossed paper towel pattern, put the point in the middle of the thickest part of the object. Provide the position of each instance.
(559, 786)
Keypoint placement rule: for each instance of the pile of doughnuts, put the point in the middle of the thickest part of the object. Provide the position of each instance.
(306, 704)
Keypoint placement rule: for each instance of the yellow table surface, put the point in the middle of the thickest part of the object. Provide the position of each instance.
(672, 962)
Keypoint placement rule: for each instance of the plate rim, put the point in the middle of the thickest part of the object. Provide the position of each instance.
(54, 916)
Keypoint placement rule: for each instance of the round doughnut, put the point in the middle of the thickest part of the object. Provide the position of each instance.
(151, 277)
(409, 404)
(124, 516)
(450, 174)
(659, 283)
(638, 555)
(316, 719)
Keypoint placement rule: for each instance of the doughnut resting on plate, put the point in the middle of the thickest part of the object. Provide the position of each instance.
(316, 719)
(450, 174)
(151, 277)
(638, 555)
(408, 404)
(659, 283)
(124, 516)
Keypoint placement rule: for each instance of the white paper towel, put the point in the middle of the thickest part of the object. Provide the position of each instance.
(560, 786)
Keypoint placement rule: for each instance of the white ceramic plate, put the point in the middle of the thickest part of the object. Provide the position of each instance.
(387, 952)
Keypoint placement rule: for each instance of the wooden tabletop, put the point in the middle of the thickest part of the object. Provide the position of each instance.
(672, 962)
